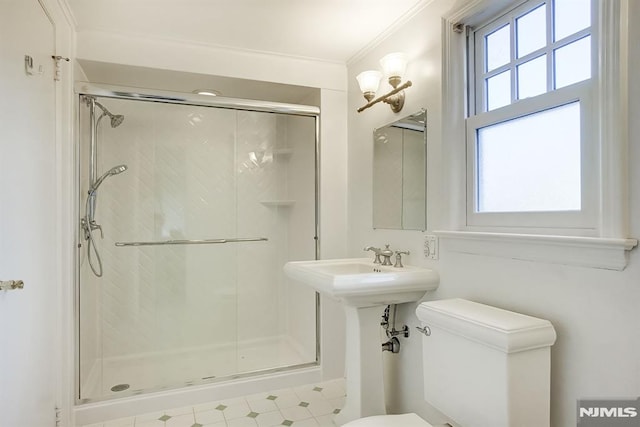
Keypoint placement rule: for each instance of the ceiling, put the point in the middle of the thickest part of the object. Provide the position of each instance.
(329, 30)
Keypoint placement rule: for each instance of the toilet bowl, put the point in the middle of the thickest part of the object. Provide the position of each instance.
(482, 366)
(404, 420)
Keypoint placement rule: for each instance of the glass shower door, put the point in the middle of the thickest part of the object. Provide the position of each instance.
(212, 204)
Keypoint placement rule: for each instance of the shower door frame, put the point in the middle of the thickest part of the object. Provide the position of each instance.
(167, 97)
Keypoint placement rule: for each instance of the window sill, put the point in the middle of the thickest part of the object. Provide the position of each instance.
(594, 252)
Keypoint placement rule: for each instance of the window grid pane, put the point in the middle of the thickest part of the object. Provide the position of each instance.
(570, 16)
(573, 62)
(498, 48)
(532, 77)
(531, 33)
(499, 90)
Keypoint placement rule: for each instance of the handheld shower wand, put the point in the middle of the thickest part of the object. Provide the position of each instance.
(113, 171)
(94, 187)
(89, 224)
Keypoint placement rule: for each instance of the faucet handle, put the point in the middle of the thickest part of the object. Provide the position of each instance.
(399, 254)
(95, 226)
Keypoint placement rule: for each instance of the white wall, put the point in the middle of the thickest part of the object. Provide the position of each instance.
(300, 300)
(595, 312)
(204, 59)
(333, 221)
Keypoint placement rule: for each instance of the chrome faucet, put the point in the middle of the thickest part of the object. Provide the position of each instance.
(376, 251)
(386, 254)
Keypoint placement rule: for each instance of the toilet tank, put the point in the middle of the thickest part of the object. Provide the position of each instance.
(484, 366)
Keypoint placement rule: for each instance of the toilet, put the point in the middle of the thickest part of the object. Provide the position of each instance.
(482, 366)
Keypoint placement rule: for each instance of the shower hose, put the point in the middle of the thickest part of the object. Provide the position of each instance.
(91, 243)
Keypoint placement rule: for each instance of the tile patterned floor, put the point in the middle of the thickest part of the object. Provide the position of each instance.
(308, 406)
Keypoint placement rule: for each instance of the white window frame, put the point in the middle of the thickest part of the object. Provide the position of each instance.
(582, 222)
(609, 245)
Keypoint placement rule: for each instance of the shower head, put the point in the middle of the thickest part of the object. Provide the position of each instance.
(113, 171)
(116, 119)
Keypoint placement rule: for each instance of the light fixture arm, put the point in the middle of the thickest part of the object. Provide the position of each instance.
(394, 98)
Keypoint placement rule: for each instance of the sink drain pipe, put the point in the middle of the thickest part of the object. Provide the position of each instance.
(393, 345)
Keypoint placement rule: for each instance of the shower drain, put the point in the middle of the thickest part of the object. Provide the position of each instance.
(120, 387)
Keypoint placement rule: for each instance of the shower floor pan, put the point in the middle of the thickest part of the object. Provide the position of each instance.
(169, 370)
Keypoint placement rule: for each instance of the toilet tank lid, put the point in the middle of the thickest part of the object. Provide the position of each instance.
(501, 329)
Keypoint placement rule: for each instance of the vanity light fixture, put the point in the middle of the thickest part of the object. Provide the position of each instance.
(393, 66)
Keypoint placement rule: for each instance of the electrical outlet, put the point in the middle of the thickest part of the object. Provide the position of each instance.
(431, 246)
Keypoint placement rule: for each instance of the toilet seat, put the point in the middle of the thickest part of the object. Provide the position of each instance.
(404, 420)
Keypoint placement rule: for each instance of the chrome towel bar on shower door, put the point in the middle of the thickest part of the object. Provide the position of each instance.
(194, 242)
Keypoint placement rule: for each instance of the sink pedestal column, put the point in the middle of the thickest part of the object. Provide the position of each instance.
(364, 384)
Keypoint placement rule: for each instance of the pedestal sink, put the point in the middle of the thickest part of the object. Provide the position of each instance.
(363, 288)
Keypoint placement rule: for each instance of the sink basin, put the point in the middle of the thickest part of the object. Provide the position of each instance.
(359, 282)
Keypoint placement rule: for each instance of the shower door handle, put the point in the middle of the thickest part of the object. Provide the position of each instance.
(9, 285)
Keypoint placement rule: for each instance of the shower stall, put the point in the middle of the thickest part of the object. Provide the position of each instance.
(188, 207)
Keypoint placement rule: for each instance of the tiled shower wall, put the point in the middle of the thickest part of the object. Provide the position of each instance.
(198, 173)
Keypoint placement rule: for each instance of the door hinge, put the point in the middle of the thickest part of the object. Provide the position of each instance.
(57, 59)
(58, 417)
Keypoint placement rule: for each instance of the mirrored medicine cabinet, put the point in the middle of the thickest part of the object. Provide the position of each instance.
(399, 174)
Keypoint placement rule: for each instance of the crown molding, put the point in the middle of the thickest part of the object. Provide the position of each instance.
(213, 46)
(395, 26)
